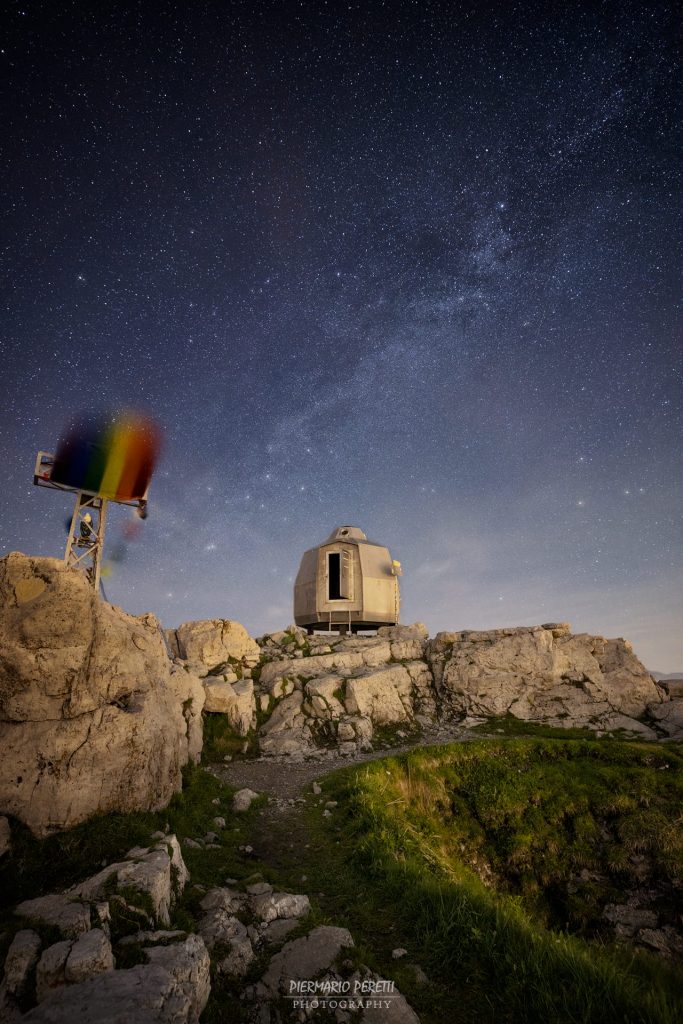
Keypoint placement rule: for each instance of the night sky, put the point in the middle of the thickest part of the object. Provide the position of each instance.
(409, 266)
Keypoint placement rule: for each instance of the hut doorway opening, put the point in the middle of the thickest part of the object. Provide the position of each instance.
(339, 576)
(334, 576)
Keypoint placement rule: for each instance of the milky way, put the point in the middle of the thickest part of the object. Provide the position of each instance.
(409, 266)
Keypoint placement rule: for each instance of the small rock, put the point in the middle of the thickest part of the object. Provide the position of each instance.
(219, 822)
(90, 954)
(189, 964)
(276, 931)
(398, 953)
(50, 969)
(259, 888)
(418, 973)
(316, 789)
(103, 915)
(270, 906)
(654, 938)
(71, 917)
(192, 844)
(222, 898)
(21, 958)
(303, 958)
(243, 799)
(220, 929)
(158, 835)
(331, 803)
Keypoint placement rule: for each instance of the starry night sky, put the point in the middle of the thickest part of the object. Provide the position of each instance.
(409, 266)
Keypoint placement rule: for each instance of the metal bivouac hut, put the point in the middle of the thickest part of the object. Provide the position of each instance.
(346, 584)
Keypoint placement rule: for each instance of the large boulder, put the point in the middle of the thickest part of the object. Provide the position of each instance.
(235, 700)
(67, 914)
(541, 673)
(21, 958)
(286, 731)
(208, 643)
(189, 965)
(190, 694)
(71, 962)
(407, 642)
(146, 994)
(668, 717)
(91, 718)
(349, 654)
(303, 958)
(382, 695)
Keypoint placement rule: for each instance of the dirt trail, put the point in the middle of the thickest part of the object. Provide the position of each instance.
(287, 779)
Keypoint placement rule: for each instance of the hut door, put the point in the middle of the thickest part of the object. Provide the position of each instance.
(339, 575)
(346, 587)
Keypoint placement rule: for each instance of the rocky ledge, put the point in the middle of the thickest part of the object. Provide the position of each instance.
(307, 695)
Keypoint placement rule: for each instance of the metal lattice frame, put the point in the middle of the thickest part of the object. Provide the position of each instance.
(86, 538)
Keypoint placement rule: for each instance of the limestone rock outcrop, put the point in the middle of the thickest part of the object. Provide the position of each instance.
(92, 717)
(209, 643)
(22, 957)
(669, 717)
(336, 691)
(76, 977)
(146, 994)
(235, 700)
(541, 673)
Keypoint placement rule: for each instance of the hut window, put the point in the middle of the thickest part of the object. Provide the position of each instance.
(334, 576)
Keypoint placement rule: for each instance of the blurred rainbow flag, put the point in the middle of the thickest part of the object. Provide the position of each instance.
(112, 459)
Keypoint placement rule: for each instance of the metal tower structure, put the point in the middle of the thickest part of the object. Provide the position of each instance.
(85, 542)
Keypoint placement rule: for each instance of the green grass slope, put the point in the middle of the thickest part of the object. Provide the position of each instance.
(479, 850)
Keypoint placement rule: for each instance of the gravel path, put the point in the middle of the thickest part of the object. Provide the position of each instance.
(286, 779)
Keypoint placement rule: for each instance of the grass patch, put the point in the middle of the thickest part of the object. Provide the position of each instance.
(411, 839)
(508, 725)
(36, 867)
(221, 738)
(393, 734)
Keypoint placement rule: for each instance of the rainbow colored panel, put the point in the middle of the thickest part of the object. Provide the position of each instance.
(111, 458)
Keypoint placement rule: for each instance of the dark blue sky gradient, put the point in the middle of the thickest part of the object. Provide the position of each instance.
(415, 268)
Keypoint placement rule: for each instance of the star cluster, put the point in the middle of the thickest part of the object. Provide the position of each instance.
(411, 266)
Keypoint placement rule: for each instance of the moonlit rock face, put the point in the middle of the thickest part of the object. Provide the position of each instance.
(91, 714)
(541, 673)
